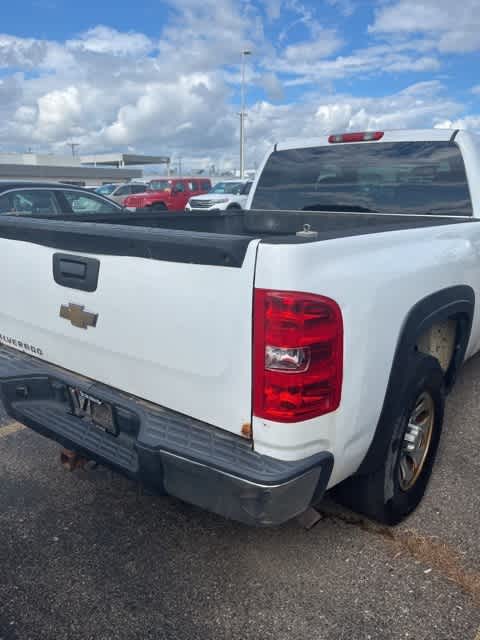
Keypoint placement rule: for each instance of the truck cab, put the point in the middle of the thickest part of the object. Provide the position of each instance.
(168, 194)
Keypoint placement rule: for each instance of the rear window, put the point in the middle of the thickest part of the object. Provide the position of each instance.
(399, 177)
(106, 189)
(234, 188)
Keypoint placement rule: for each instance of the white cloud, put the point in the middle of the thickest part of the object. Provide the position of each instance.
(191, 108)
(109, 90)
(203, 35)
(272, 86)
(425, 63)
(29, 53)
(455, 27)
(476, 90)
(25, 115)
(103, 39)
(323, 43)
(378, 59)
(468, 122)
(59, 113)
(25, 53)
(11, 91)
(304, 16)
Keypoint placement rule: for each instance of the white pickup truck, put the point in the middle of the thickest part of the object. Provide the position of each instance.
(248, 361)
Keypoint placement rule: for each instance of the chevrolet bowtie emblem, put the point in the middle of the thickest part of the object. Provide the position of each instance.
(77, 316)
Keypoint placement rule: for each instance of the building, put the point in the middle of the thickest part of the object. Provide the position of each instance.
(121, 160)
(72, 170)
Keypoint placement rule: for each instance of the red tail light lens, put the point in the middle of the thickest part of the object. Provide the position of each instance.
(297, 355)
(364, 136)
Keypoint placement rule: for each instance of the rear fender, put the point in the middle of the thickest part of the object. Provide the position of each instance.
(457, 302)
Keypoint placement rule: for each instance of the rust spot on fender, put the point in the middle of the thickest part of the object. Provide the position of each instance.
(247, 430)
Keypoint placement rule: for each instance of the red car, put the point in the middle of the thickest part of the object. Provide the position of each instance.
(168, 193)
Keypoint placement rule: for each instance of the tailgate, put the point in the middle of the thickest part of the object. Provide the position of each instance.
(174, 333)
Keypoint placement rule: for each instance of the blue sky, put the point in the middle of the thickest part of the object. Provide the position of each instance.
(163, 76)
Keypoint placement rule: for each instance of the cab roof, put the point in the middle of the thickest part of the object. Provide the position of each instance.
(393, 135)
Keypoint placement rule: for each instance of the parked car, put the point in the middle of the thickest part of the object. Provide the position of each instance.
(168, 193)
(51, 199)
(122, 191)
(107, 189)
(229, 194)
(249, 365)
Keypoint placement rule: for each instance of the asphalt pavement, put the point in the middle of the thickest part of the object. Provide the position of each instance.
(85, 555)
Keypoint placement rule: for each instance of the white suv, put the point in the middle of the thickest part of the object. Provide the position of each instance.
(229, 194)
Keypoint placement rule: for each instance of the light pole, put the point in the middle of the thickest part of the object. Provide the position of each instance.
(245, 53)
(73, 146)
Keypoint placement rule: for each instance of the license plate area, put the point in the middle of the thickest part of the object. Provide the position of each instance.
(90, 409)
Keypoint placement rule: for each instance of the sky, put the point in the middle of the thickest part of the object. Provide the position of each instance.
(163, 76)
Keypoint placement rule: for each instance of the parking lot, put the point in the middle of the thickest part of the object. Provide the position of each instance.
(86, 555)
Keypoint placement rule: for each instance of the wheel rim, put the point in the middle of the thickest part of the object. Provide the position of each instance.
(416, 442)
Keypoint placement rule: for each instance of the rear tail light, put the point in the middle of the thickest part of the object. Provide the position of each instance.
(297, 355)
(364, 136)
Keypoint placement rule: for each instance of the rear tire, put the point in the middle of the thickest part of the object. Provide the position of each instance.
(394, 490)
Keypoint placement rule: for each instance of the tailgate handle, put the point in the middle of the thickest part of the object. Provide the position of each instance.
(75, 272)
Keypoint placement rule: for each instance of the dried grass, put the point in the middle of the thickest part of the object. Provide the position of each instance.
(432, 552)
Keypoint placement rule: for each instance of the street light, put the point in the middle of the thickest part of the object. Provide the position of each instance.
(245, 53)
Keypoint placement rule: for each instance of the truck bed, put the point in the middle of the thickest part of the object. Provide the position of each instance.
(214, 238)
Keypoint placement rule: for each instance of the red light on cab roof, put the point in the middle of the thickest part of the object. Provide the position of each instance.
(363, 136)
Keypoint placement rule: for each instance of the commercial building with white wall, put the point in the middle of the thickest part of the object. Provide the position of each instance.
(78, 171)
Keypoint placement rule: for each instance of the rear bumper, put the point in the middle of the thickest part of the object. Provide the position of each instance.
(164, 450)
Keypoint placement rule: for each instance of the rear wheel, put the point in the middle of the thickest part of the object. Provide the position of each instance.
(394, 490)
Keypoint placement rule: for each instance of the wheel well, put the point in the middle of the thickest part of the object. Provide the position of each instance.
(438, 325)
(446, 340)
(439, 341)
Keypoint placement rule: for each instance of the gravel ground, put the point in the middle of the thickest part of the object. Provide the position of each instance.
(85, 555)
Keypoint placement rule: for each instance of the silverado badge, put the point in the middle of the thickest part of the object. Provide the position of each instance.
(77, 316)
